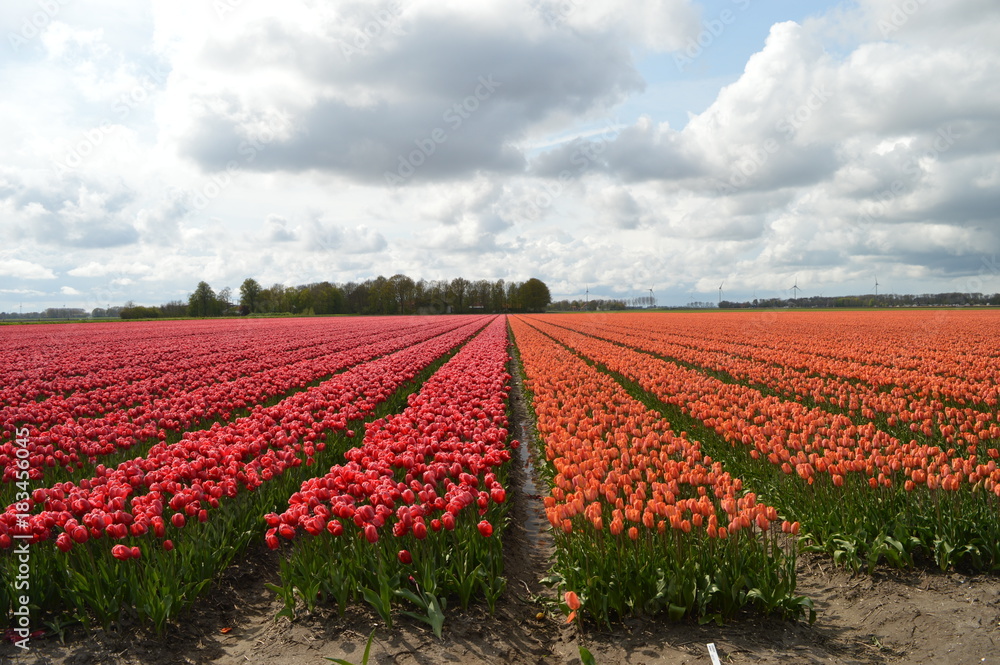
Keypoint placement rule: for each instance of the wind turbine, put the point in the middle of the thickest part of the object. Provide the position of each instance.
(652, 298)
(795, 289)
(720, 292)
(876, 285)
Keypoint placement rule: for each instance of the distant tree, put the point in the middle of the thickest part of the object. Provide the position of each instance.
(479, 295)
(498, 297)
(225, 299)
(420, 293)
(535, 295)
(301, 299)
(356, 296)
(250, 295)
(513, 297)
(275, 299)
(438, 290)
(458, 288)
(381, 296)
(64, 313)
(174, 308)
(139, 312)
(327, 298)
(400, 294)
(404, 292)
(203, 301)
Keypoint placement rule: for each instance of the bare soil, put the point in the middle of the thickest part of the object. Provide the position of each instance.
(884, 617)
(887, 617)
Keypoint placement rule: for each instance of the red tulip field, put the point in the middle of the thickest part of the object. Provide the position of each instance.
(727, 475)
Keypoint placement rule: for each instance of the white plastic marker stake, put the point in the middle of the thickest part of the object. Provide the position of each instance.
(714, 654)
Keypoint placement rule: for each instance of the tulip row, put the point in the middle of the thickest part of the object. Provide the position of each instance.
(110, 367)
(923, 401)
(644, 521)
(187, 507)
(860, 493)
(72, 432)
(973, 438)
(921, 346)
(59, 360)
(418, 500)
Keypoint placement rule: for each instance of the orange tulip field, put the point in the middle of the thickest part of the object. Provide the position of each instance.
(677, 447)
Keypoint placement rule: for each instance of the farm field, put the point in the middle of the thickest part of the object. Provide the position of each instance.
(818, 486)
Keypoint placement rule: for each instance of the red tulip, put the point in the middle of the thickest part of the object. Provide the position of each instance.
(64, 542)
(121, 552)
(371, 533)
(405, 557)
(448, 521)
(485, 529)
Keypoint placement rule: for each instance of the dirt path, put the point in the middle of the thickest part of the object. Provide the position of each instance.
(884, 618)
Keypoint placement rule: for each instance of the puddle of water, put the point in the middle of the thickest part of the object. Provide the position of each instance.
(530, 515)
(536, 524)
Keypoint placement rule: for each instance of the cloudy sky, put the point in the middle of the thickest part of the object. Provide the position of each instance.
(610, 146)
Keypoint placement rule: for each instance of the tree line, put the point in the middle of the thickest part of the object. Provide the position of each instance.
(953, 299)
(398, 294)
(591, 305)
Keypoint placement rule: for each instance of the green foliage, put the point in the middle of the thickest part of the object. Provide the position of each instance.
(433, 609)
(690, 575)
(535, 295)
(250, 295)
(203, 302)
(139, 312)
(459, 563)
(398, 294)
